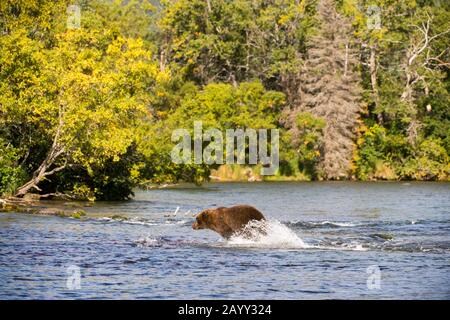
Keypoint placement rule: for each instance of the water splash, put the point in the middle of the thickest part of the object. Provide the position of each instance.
(275, 235)
(266, 234)
(148, 242)
(338, 224)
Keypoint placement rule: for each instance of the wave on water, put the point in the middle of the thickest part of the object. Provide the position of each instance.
(167, 242)
(335, 224)
(320, 224)
(351, 246)
(273, 234)
(266, 234)
(137, 221)
(144, 221)
(359, 224)
(340, 224)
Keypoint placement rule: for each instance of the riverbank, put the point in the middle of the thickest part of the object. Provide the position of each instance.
(38, 207)
(242, 173)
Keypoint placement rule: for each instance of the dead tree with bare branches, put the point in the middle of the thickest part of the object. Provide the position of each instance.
(330, 89)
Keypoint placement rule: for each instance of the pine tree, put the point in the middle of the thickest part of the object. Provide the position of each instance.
(330, 89)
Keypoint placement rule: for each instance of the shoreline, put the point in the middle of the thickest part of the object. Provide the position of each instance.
(39, 207)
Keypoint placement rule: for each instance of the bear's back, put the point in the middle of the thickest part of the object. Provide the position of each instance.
(238, 216)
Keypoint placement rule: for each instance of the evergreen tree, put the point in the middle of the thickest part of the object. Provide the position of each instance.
(330, 89)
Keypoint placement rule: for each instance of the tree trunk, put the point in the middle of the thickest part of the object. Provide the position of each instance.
(43, 171)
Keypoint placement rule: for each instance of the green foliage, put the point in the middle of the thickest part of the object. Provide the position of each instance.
(221, 106)
(431, 162)
(370, 150)
(106, 97)
(307, 141)
(78, 214)
(436, 124)
(380, 151)
(85, 94)
(411, 93)
(11, 173)
(238, 40)
(82, 192)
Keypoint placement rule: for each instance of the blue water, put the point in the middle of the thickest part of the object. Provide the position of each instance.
(323, 241)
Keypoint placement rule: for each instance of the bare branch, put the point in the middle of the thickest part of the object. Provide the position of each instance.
(49, 173)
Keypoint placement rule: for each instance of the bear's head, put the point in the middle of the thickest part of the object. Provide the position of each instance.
(202, 220)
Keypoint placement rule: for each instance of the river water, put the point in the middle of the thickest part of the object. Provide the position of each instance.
(323, 240)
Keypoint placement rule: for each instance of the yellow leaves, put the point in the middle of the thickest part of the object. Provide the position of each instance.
(178, 42)
(115, 48)
(161, 76)
(360, 141)
(379, 33)
(283, 19)
(362, 128)
(350, 7)
(361, 132)
(161, 114)
(110, 143)
(135, 171)
(291, 13)
(356, 157)
(83, 191)
(104, 90)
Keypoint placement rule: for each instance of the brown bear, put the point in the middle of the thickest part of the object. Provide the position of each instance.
(226, 221)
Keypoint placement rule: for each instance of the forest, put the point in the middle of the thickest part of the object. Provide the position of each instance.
(360, 90)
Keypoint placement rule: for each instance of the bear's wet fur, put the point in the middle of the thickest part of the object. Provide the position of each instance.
(226, 221)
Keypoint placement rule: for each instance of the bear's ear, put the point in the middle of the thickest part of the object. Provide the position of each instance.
(206, 218)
